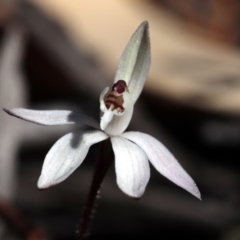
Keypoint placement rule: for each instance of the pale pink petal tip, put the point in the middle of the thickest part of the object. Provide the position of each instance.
(163, 161)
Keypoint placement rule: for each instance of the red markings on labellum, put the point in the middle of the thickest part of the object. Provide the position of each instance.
(114, 99)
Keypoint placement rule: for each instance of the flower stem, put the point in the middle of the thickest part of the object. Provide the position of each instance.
(103, 163)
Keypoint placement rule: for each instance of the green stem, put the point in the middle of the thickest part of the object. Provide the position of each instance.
(103, 163)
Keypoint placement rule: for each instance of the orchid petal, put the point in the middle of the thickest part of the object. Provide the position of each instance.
(66, 155)
(106, 118)
(52, 117)
(119, 124)
(135, 61)
(131, 166)
(163, 161)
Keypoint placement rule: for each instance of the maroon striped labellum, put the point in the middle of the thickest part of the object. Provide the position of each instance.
(114, 99)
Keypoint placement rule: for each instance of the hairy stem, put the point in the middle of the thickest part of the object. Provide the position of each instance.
(103, 163)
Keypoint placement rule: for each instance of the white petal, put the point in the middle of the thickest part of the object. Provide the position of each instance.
(66, 155)
(131, 166)
(163, 161)
(52, 117)
(135, 61)
(106, 118)
(119, 124)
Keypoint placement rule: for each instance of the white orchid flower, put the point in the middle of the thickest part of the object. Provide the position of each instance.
(132, 150)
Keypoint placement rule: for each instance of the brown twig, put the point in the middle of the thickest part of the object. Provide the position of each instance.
(16, 220)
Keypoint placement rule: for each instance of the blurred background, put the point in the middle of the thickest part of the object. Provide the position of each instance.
(57, 54)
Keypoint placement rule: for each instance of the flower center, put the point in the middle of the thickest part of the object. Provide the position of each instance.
(114, 99)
